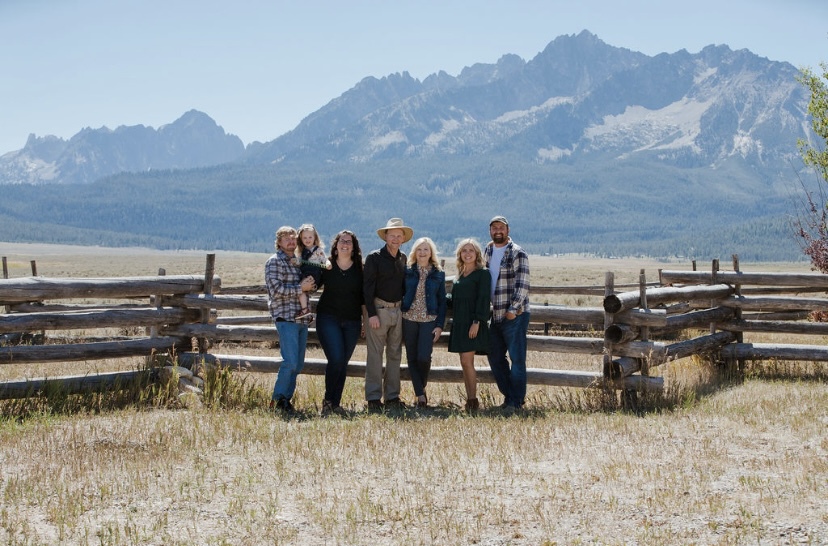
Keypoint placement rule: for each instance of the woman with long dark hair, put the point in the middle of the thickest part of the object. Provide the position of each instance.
(339, 315)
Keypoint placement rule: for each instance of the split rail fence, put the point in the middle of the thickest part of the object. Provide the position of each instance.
(186, 315)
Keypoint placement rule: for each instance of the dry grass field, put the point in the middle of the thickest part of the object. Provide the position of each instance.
(714, 460)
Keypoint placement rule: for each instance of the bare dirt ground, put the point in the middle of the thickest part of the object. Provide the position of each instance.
(742, 462)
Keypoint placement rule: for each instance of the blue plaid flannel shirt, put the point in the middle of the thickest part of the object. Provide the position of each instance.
(282, 278)
(512, 289)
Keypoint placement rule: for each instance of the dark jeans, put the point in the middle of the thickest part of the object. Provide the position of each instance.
(338, 339)
(419, 342)
(509, 336)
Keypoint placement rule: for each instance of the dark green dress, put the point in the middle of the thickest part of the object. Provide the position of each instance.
(470, 301)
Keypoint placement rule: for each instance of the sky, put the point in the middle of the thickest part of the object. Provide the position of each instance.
(258, 67)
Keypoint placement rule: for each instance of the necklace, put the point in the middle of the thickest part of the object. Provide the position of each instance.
(344, 270)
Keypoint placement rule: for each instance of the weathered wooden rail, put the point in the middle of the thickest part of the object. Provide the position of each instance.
(718, 306)
(639, 324)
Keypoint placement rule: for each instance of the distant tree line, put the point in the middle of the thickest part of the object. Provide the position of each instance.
(617, 209)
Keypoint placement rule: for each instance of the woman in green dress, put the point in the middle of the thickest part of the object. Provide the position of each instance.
(470, 296)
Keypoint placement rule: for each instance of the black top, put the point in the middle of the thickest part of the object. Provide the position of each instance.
(342, 296)
(384, 278)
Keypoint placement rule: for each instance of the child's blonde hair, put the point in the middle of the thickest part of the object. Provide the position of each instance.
(300, 246)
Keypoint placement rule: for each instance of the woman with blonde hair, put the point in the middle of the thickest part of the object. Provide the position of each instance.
(470, 296)
(424, 312)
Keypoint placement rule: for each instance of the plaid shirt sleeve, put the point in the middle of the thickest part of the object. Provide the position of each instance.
(512, 289)
(520, 296)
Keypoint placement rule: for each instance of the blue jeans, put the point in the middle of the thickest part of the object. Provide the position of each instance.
(509, 336)
(419, 343)
(338, 338)
(293, 338)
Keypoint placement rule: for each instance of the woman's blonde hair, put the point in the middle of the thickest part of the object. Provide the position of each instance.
(478, 254)
(412, 256)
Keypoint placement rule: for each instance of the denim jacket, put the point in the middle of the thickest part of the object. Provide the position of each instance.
(435, 292)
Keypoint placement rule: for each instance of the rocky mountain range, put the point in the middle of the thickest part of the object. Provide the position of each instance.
(579, 99)
(193, 140)
(592, 147)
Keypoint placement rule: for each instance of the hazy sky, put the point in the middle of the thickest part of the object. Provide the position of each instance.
(258, 67)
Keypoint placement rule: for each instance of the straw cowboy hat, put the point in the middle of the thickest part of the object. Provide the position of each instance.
(396, 223)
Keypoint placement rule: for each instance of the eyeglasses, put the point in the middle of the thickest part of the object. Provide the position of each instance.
(345, 242)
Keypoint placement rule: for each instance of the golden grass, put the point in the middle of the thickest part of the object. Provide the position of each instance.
(725, 461)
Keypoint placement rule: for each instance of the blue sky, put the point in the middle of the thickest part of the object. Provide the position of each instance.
(258, 67)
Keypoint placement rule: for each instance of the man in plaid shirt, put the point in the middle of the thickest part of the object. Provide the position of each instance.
(282, 278)
(509, 266)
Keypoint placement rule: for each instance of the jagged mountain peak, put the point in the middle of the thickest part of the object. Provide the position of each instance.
(193, 140)
(192, 118)
(576, 98)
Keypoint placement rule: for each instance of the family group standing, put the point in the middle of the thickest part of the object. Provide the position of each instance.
(397, 301)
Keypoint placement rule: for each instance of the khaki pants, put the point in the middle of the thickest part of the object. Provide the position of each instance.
(387, 338)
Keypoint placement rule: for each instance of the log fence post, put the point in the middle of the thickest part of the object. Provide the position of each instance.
(629, 397)
(740, 336)
(6, 276)
(34, 274)
(738, 293)
(714, 270)
(609, 290)
(644, 332)
(157, 302)
(209, 272)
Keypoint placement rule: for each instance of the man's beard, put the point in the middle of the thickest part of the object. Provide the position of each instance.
(499, 238)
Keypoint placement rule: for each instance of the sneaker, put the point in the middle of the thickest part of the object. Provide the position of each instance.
(305, 312)
(374, 405)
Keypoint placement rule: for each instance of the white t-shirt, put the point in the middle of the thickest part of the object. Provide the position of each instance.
(494, 266)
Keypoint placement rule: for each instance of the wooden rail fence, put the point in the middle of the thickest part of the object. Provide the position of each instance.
(183, 314)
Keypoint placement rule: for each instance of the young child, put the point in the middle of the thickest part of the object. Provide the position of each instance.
(311, 256)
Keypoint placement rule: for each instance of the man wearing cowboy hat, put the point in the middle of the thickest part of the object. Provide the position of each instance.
(384, 285)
